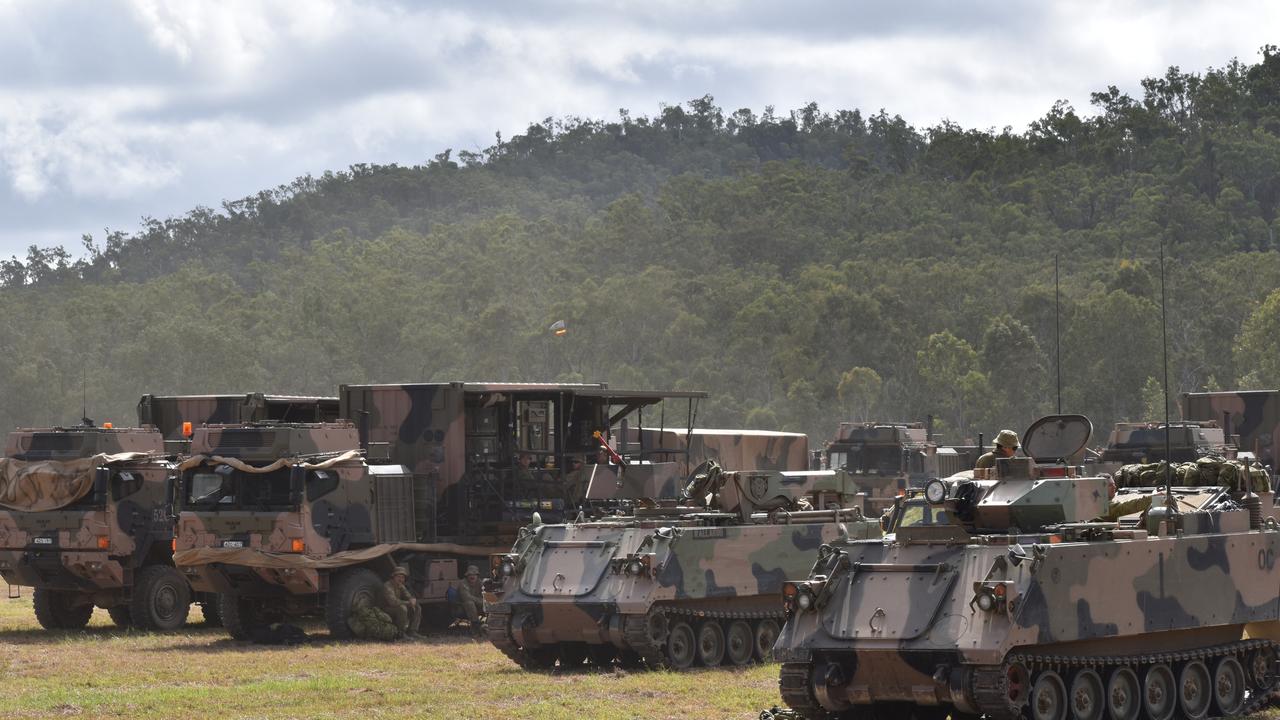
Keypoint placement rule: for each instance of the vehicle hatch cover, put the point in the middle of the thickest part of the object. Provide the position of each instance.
(1055, 437)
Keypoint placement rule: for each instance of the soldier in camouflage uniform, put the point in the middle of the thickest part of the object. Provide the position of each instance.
(401, 604)
(575, 483)
(1006, 444)
(472, 599)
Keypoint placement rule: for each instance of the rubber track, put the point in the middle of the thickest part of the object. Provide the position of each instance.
(793, 684)
(999, 707)
(497, 626)
(636, 628)
(989, 690)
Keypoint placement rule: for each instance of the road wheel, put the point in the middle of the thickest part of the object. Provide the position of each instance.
(1085, 697)
(739, 642)
(351, 587)
(121, 616)
(710, 643)
(61, 610)
(1124, 696)
(1048, 697)
(1228, 687)
(1159, 693)
(1194, 691)
(682, 646)
(161, 599)
(240, 615)
(766, 635)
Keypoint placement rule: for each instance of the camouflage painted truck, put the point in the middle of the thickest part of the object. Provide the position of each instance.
(673, 583)
(278, 542)
(176, 416)
(1250, 418)
(1139, 443)
(1007, 596)
(486, 456)
(284, 520)
(86, 519)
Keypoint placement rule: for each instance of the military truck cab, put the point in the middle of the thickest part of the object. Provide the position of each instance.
(86, 519)
(888, 457)
(273, 515)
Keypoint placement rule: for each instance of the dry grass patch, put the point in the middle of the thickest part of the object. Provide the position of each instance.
(105, 672)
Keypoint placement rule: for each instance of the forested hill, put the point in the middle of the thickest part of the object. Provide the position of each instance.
(803, 267)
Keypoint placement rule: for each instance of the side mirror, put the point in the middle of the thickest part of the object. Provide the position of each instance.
(101, 482)
(297, 484)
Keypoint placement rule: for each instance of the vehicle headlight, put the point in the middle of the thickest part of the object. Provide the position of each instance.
(986, 601)
(508, 568)
(636, 567)
(804, 601)
(935, 491)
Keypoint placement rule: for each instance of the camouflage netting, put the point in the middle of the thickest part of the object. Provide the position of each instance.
(41, 485)
(238, 464)
(370, 623)
(1210, 470)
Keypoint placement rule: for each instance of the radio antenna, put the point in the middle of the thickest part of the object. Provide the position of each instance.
(1170, 505)
(84, 396)
(1057, 335)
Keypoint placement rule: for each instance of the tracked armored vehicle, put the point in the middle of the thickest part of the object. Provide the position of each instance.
(86, 519)
(672, 583)
(1002, 596)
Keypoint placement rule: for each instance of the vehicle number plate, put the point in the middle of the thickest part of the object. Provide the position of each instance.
(42, 541)
(233, 544)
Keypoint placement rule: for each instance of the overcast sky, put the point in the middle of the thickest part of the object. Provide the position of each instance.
(111, 110)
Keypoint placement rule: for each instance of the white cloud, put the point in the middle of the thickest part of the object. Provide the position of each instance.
(114, 110)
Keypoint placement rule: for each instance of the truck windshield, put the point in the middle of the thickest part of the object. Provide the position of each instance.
(871, 460)
(222, 487)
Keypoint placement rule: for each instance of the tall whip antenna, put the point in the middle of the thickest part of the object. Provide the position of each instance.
(1164, 388)
(1057, 336)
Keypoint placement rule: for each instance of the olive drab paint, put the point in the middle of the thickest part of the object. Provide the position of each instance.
(1013, 593)
(649, 587)
(90, 543)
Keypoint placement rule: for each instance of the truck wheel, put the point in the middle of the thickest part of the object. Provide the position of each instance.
(239, 615)
(121, 616)
(209, 608)
(59, 610)
(350, 587)
(161, 599)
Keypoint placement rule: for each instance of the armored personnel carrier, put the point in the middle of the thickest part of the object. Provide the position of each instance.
(673, 583)
(1003, 596)
(86, 519)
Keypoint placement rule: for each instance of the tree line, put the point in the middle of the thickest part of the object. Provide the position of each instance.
(804, 267)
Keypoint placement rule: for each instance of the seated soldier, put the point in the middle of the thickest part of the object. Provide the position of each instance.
(472, 598)
(400, 603)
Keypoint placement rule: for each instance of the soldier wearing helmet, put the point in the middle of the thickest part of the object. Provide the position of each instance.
(400, 603)
(472, 598)
(1006, 445)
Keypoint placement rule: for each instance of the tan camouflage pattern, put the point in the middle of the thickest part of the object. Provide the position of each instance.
(898, 620)
(571, 582)
(1251, 417)
(207, 539)
(48, 540)
(51, 484)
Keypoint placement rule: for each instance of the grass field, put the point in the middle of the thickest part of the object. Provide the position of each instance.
(200, 673)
